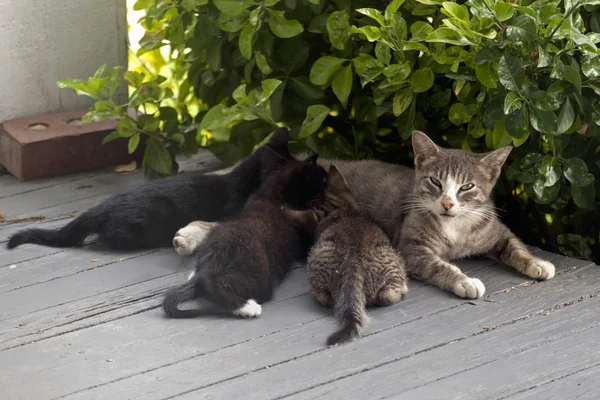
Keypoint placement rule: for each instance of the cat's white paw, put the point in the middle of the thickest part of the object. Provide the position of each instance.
(188, 238)
(249, 310)
(540, 269)
(470, 288)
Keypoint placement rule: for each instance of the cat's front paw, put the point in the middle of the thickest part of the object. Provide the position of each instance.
(540, 269)
(249, 310)
(188, 238)
(470, 288)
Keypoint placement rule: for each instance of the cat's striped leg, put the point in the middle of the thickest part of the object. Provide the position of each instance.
(188, 238)
(511, 251)
(423, 264)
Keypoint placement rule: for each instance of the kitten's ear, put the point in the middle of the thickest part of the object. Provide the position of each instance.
(423, 147)
(312, 159)
(337, 186)
(495, 160)
(279, 142)
(307, 219)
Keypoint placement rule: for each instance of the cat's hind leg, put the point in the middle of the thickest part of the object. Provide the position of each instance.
(235, 293)
(394, 280)
(323, 296)
(188, 238)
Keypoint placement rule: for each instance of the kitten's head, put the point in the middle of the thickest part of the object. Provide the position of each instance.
(454, 183)
(337, 196)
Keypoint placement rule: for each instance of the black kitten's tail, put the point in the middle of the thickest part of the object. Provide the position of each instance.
(181, 294)
(72, 234)
(350, 310)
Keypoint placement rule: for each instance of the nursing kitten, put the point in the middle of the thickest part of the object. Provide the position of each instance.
(149, 215)
(240, 261)
(352, 264)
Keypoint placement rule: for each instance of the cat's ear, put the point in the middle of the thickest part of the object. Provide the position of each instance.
(312, 159)
(495, 160)
(279, 142)
(423, 147)
(307, 219)
(337, 186)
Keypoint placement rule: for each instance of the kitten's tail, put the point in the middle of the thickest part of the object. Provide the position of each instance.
(350, 310)
(72, 234)
(181, 294)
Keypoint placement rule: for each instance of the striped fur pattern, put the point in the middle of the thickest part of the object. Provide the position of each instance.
(352, 264)
(441, 211)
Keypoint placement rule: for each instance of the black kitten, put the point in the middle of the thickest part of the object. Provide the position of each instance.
(149, 215)
(241, 261)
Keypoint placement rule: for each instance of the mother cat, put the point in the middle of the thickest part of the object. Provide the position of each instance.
(438, 212)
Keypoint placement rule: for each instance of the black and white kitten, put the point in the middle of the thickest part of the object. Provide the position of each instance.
(241, 261)
(149, 215)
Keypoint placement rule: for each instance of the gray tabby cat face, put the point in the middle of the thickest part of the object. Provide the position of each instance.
(454, 183)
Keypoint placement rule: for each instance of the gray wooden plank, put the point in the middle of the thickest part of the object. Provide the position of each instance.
(578, 385)
(290, 343)
(394, 341)
(405, 377)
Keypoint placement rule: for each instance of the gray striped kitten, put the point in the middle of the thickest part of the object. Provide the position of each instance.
(441, 211)
(353, 263)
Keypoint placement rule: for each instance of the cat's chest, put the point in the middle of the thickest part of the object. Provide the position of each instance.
(456, 237)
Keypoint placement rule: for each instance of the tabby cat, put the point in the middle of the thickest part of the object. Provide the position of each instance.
(240, 261)
(441, 211)
(353, 264)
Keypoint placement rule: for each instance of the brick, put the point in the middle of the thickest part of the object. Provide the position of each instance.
(59, 144)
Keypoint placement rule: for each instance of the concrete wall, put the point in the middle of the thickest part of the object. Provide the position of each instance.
(42, 41)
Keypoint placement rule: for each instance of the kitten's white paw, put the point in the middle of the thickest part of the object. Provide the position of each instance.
(189, 237)
(250, 310)
(471, 288)
(191, 275)
(540, 269)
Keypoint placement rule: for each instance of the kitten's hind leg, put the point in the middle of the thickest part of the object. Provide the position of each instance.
(391, 293)
(511, 251)
(188, 238)
(324, 297)
(232, 294)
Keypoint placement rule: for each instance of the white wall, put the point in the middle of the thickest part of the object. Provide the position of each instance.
(42, 41)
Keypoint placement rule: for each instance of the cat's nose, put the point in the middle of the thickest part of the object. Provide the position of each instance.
(447, 204)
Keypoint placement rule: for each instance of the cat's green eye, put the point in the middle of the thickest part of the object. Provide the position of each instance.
(466, 187)
(435, 181)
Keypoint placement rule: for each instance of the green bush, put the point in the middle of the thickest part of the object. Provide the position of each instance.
(352, 79)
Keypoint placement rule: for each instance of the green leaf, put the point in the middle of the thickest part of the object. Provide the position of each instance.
(179, 138)
(315, 115)
(230, 23)
(522, 30)
(517, 123)
(134, 79)
(504, 11)
(217, 117)
(371, 32)
(512, 102)
(157, 156)
(457, 11)
(269, 86)
(422, 80)
(510, 73)
(397, 73)
(543, 101)
(324, 68)
(262, 63)
(543, 193)
(487, 74)
(232, 7)
(393, 7)
(458, 115)
(577, 172)
(383, 53)
(550, 170)
(543, 121)
(239, 94)
(566, 117)
(583, 196)
(591, 67)
(127, 127)
(246, 41)
(501, 136)
(572, 75)
(402, 100)
(517, 142)
(190, 5)
(110, 137)
(305, 89)
(420, 30)
(133, 143)
(572, 245)
(372, 13)
(338, 27)
(367, 68)
(283, 28)
(450, 36)
(342, 85)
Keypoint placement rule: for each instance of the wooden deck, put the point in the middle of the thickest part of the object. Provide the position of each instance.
(85, 324)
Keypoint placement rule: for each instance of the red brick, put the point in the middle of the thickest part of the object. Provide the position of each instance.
(61, 148)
